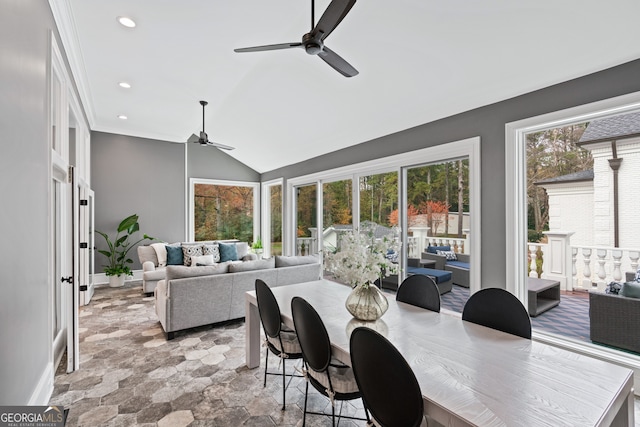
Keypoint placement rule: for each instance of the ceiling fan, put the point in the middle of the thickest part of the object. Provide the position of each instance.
(203, 139)
(313, 41)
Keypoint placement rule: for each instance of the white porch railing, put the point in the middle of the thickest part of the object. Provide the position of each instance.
(419, 242)
(580, 267)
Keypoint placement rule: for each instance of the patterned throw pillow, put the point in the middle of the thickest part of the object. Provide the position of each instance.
(190, 250)
(449, 255)
(212, 249)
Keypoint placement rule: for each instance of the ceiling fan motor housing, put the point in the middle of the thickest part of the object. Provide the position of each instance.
(312, 45)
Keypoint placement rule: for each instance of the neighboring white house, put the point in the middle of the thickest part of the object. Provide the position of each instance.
(591, 203)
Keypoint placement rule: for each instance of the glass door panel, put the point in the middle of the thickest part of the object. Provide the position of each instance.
(306, 220)
(275, 219)
(337, 216)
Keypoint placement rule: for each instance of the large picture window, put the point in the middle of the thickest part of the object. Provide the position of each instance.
(223, 210)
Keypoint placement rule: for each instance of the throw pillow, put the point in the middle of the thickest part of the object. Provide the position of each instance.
(630, 290)
(613, 288)
(174, 255)
(212, 249)
(449, 255)
(189, 251)
(200, 260)
(161, 253)
(638, 275)
(228, 252)
(242, 248)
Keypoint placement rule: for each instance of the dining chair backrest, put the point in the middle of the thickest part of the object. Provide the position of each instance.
(389, 387)
(421, 291)
(498, 309)
(312, 334)
(268, 309)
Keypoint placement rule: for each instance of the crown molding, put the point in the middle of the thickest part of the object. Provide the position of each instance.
(63, 17)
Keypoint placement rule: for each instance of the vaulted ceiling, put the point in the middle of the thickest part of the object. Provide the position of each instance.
(419, 60)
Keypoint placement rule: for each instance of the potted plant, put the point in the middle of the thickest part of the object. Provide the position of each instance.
(117, 269)
(257, 246)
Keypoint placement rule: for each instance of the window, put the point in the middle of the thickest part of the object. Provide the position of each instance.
(306, 220)
(272, 218)
(223, 210)
(337, 216)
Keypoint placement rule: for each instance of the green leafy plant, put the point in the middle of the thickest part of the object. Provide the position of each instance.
(120, 246)
(257, 244)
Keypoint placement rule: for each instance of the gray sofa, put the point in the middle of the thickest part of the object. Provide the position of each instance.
(197, 296)
(614, 320)
(153, 272)
(459, 269)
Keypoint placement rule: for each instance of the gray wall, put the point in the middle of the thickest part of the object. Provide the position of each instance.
(25, 27)
(147, 177)
(488, 122)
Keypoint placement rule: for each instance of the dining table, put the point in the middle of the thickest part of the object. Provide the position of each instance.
(470, 375)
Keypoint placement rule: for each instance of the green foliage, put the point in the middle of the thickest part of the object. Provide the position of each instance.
(120, 246)
(257, 244)
(534, 236)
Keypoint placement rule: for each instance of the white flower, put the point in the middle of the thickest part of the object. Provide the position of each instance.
(361, 258)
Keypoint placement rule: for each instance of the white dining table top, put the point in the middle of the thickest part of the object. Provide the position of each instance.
(483, 376)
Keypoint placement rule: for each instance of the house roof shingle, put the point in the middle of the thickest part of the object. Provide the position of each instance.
(572, 177)
(609, 128)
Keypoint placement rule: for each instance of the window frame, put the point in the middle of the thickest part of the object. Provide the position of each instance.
(220, 182)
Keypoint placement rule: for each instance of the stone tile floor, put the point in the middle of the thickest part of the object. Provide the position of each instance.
(131, 375)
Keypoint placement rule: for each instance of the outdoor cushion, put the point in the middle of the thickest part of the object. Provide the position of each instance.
(449, 255)
(440, 276)
(459, 264)
(435, 249)
(630, 290)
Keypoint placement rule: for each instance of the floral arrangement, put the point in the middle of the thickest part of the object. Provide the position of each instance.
(361, 258)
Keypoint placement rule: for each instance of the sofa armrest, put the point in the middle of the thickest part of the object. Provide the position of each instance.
(148, 266)
(463, 257)
(250, 257)
(439, 259)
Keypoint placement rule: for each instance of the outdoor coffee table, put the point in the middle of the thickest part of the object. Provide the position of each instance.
(427, 263)
(543, 295)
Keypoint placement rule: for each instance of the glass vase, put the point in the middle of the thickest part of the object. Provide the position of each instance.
(366, 302)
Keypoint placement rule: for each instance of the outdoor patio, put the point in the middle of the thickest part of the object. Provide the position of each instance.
(569, 319)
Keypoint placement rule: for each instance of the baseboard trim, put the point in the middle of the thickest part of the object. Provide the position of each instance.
(44, 389)
(103, 279)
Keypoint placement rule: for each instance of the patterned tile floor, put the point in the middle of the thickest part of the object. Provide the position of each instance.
(131, 375)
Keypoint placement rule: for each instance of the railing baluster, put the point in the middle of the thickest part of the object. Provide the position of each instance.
(533, 266)
(602, 273)
(574, 269)
(617, 261)
(586, 273)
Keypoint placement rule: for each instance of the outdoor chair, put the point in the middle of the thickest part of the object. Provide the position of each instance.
(280, 340)
(421, 291)
(327, 375)
(389, 388)
(498, 309)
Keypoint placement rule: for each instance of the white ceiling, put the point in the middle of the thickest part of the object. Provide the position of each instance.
(419, 60)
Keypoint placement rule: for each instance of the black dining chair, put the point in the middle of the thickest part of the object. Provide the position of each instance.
(389, 388)
(498, 309)
(280, 340)
(327, 375)
(421, 291)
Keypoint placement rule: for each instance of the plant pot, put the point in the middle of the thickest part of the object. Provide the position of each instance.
(366, 302)
(117, 281)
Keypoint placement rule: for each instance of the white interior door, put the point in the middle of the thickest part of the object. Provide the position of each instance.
(72, 297)
(86, 244)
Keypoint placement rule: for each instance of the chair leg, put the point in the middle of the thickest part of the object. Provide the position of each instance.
(284, 388)
(304, 413)
(333, 414)
(266, 366)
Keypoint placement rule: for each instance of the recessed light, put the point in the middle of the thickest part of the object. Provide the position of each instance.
(126, 21)
(124, 85)
(122, 117)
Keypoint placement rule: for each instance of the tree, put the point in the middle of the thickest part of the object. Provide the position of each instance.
(436, 212)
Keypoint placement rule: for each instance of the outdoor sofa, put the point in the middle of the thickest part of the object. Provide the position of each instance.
(459, 267)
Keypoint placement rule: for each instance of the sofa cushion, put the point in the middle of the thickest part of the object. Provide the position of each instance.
(630, 290)
(174, 255)
(211, 249)
(201, 260)
(146, 253)
(181, 271)
(289, 261)
(449, 255)
(242, 248)
(440, 276)
(190, 250)
(161, 253)
(459, 264)
(228, 252)
(435, 249)
(259, 264)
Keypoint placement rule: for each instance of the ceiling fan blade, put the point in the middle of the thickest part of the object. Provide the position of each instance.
(268, 47)
(218, 145)
(193, 138)
(335, 13)
(336, 61)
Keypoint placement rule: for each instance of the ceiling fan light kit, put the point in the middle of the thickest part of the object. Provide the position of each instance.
(203, 138)
(313, 41)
